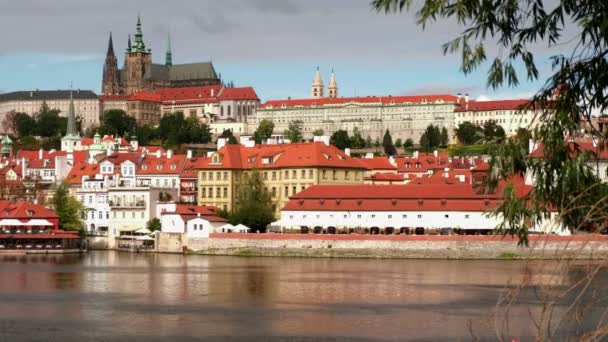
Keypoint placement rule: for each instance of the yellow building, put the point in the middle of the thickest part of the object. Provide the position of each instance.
(286, 169)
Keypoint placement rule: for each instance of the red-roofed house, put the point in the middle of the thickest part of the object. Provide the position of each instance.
(388, 209)
(286, 168)
(190, 220)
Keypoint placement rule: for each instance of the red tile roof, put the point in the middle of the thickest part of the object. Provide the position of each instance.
(189, 95)
(191, 166)
(377, 163)
(25, 210)
(190, 212)
(308, 154)
(243, 93)
(480, 106)
(385, 176)
(596, 150)
(385, 100)
(81, 169)
(113, 97)
(152, 165)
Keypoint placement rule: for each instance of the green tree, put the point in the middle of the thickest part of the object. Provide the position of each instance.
(432, 138)
(117, 122)
(25, 125)
(445, 138)
(398, 143)
(387, 139)
(48, 123)
(574, 91)
(357, 141)
(377, 142)
(368, 141)
(318, 132)
(408, 143)
(294, 131)
(68, 208)
(254, 206)
(154, 225)
(492, 131)
(28, 143)
(340, 139)
(230, 139)
(425, 144)
(263, 132)
(469, 133)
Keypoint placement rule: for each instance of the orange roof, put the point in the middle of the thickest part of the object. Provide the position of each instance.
(188, 95)
(597, 151)
(152, 165)
(479, 106)
(191, 167)
(24, 210)
(190, 212)
(308, 154)
(385, 100)
(384, 176)
(81, 169)
(377, 163)
(243, 93)
(113, 97)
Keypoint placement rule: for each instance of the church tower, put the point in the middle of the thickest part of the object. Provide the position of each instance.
(317, 91)
(71, 141)
(111, 82)
(332, 90)
(138, 60)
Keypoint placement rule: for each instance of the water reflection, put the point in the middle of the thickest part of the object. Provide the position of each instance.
(149, 296)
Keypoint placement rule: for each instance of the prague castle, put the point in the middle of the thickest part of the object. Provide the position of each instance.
(140, 74)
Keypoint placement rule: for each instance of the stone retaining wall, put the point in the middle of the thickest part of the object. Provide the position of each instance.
(460, 247)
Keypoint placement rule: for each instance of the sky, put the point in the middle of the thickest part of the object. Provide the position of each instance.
(272, 45)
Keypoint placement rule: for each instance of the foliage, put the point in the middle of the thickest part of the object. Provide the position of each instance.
(254, 207)
(117, 122)
(27, 143)
(294, 131)
(467, 150)
(164, 196)
(377, 142)
(387, 144)
(398, 143)
(230, 139)
(24, 124)
(318, 132)
(408, 143)
(469, 133)
(445, 137)
(492, 131)
(357, 141)
(263, 132)
(430, 139)
(563, 178)
(174, 129)
(340, 139)
(67, 207)
(390, 150)
(154, 225)
(368, 141)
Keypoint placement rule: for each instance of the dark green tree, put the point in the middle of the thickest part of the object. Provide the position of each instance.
(68, 208)
(154, 225)
(425, 144)
(340, 139)
(387, 139)
(254, 206)
(28, 143)
(368, 141)
(398, 143)
(117, 122)
(356, 140)
(24, 124)
(377, 142)
(49, 123)
(469, 133)
(227, 134)
(492, 131)
(318, 132)
(294, 131)
(264, 131)
(445, 137)
(408, 143)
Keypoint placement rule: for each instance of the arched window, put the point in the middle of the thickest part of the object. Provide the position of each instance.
(221, 110)
(229, 110)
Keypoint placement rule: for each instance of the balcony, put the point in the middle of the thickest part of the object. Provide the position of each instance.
(126, 205)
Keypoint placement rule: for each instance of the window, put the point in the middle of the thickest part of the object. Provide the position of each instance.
(274, 191)
(310, 174)
(203, 192)
(446, 216)
(218, 193)
(124, 215)
(204, 176)
(274, 175)
(419, 216)
(294, 174)
(286, 191)
(133, 214)
(210, 176)
(346, 175)
(466, 216)
(358, 216)
(390, 216)
(210, 192)
(286, 174)
(293, 190)
(303, 174)
(225, 175)
(225, 192)
(323, 173)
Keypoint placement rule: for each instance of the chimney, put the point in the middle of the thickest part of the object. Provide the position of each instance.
(392, 160)
(461, 178)
(169, 154)
(212, 92)
(369, 155)
(459, 97)
(159, 153)
(189, 154)
(40, 153)
(347, 151)
(23, 168)
(436, 153)
(416, 154)
(221, 142)
(466, 100)
(446, 172)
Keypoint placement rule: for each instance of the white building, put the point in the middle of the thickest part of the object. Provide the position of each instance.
(86, 104)
(191, 220)
(388, 209)
(509, 114)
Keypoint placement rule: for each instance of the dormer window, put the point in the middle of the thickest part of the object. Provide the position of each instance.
(251, 159)
(159, 166)
(29, 213)
(144, 167)
(283, 106)
(266, 160)
(173, 166)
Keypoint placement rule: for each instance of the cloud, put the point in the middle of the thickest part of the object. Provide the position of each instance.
(213, 24)
(277, 6)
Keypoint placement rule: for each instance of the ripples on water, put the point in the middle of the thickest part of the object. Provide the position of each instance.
(109, 296)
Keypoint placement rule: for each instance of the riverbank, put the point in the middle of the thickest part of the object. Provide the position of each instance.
(388, 246)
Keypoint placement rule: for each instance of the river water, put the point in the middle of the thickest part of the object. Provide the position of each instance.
(152, 297)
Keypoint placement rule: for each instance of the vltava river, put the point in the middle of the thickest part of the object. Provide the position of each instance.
(121, 296)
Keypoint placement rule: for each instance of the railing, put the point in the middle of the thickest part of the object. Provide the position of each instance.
(138, 204)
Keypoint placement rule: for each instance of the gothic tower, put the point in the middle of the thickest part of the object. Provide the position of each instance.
(111, 82)
(71, 141)
(138, 60)
(317, 91)
(332, 90)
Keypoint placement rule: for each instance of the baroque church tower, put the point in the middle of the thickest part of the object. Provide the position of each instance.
(111, 81)
(317, 89)
(332, 90)
(138, 60)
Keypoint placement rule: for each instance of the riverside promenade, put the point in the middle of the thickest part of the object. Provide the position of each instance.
(390, 246)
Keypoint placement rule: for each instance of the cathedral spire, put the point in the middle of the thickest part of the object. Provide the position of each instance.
(169, 55)
(140, 46)
(129, 44)
(110, 46)
(317, 90)
(333, 86)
